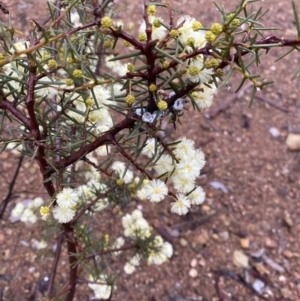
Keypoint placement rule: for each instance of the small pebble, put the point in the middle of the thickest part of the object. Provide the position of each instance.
(282, 278)
(293, 142)
(274, 132)
(258, 285)
(245, 243)
(224, 235)
(288, 221)
(183, 242)
(270, 243)
(240, 259)
(194, 263)
(202, 262)
(193, 273)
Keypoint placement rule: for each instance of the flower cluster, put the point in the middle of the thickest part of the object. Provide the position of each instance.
(136, 226)
(25, 211)
(122, 172)
(102, 289)
(66, 201)
(182, 169)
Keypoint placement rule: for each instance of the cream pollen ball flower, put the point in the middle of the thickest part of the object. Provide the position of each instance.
(204, 97)
(102, 95)
(156, 190)
(149, 148)
(63, 214)
(129, 268)
(183, 148)
(197, 197)
(165, 164)
(118, 167)
(197, 73)
(181, 205)
(101, 289)
(67, 198)
(183, 184)
(188, 168)
(161, 253)
(198, 158)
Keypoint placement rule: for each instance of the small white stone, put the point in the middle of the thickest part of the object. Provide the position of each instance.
(194, 263)
(240, 259)
(282, 278)
(193, 273)
(258, 285)
(274, 132)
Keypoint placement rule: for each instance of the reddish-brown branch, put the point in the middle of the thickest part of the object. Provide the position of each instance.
(91, 204)
(128, 122)
(72, 251)
(85, 159)
(7, 105)
(129, 158)
(55, 264)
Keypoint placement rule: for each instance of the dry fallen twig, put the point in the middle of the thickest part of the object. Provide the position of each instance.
(271, 103)
(213, 112)
(198, 222)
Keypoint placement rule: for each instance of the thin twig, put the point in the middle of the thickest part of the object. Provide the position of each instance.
(199, 221)
(11, 187)
(218, 290)
(55, 264)
(239, 278)
(271, 103)
(213, 112)
(108, 251)
(91, 204)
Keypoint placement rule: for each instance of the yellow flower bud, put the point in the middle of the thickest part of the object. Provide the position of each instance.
(89, 102)
(130, 67)
(126, 43)
(235, 22)
(44, 211)
(190, 41)
(130, 99)
(107, 44)
(209, 36)
(156, 23)
(173, 33)
(151, 10)
(152, 88)
(196, 25)
(52, 63)
(219, 72)
(162, 105)
(77, 73)
(165, 64)
(106, 22)
(142, 37)
(211, 63)
(120, 182)
(216, 28)
(69, 82)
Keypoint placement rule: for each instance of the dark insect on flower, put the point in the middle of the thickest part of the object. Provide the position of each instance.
(4, 10)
